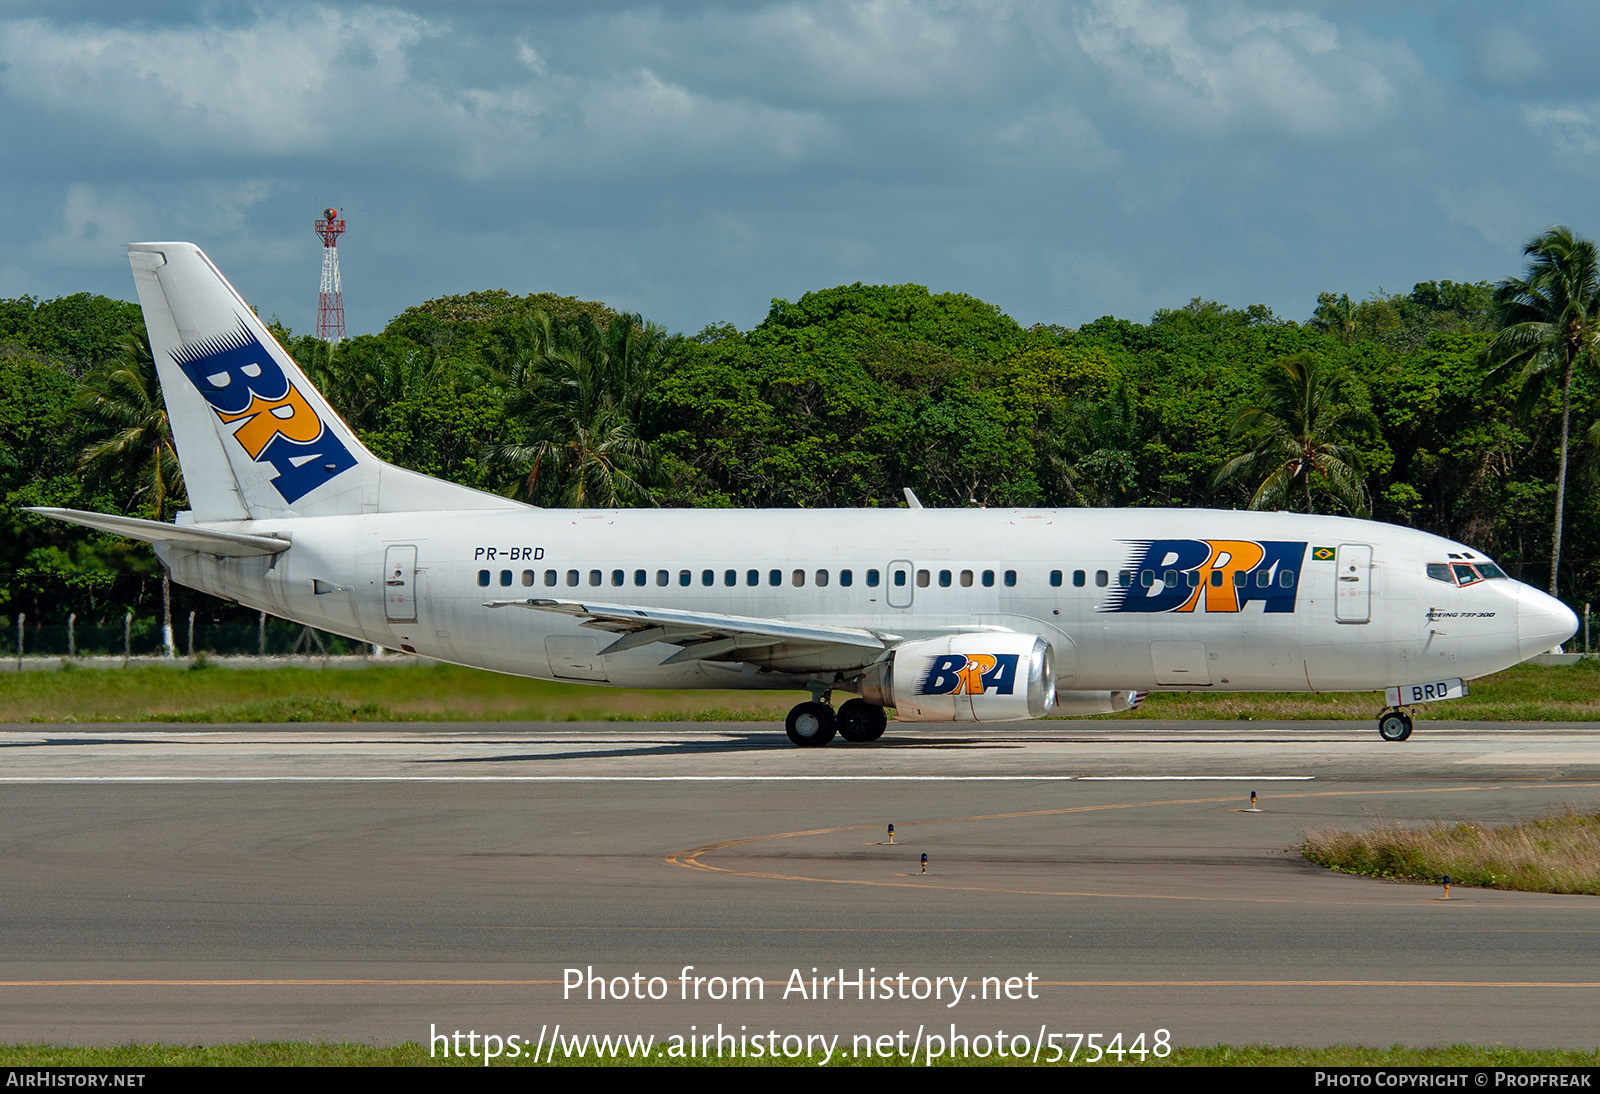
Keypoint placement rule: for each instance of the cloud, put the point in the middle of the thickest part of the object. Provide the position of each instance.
(96, 221)
(1573, 128)
(1228, 68)
(832, 53)
(340, 86)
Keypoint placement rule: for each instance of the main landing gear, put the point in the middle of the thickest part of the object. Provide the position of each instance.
(814, 724)
(1394, 725)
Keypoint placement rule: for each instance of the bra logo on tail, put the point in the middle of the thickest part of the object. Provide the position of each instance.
(239, 379)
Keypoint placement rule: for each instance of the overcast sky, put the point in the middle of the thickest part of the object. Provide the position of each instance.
(691, 161)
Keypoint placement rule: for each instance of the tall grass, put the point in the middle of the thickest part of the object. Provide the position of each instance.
(1559, 853)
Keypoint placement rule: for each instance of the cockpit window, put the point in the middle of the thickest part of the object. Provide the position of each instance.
(1491, 571)
(1465, 574)
(1440, 571)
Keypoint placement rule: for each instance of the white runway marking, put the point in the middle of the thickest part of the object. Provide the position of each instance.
(13, 780)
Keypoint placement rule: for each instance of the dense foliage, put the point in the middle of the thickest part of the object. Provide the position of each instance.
(843, 398)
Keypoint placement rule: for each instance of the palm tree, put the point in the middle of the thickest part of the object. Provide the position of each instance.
(1549, 324)
(580, 388)
(1297, 439)
(122, 401)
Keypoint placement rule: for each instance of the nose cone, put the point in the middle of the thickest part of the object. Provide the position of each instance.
(1543, 622)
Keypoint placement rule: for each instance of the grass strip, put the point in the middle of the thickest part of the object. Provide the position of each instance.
(1556, 853)
(449, 693)
(306, 1054)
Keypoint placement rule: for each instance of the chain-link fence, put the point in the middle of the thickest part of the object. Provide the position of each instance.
(135, 636)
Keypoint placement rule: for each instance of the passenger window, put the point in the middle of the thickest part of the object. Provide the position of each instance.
(752, 577)
(900, 579)
(1240, 579)
(774, 577)
(1079, 579)
(1125, 578)
(923, 579)
(549, 577)
(846, 578)
(872, 579)
(1170, 579)
(640, 577)
(1216, 579)
(944, 579)
(1263, 579)
(708, 577)
(822, 577)
(966, 579)
(662, 577)
(988, 579)
(1011, 579)
(505, 577)
(798, 579)
(1193, 578)
(730, 578)
(1055, 579)
(527, 578)
(1147, 578)
(483, 578)
(594, 577)
(685, 578)
(572, 577)
(618, 577)
(1101, 579)
(1286, 579)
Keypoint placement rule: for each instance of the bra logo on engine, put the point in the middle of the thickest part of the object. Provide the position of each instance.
(970, 674)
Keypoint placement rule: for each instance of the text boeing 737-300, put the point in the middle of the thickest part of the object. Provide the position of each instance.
(968, 615)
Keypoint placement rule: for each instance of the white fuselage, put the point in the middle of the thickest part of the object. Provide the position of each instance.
(1327, 604)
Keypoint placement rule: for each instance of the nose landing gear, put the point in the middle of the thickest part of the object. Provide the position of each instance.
(1394, 725)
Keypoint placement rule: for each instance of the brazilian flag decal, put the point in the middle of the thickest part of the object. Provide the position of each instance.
(1322, 554)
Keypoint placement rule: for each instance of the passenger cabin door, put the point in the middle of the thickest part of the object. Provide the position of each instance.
(400, 583)
(900, 586)
(1352, 597)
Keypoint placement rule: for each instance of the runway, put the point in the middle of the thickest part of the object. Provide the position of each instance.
(203, 884)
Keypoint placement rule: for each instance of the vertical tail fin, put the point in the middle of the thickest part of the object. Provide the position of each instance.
(255, 439)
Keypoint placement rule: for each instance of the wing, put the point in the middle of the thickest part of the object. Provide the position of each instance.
(711, 636)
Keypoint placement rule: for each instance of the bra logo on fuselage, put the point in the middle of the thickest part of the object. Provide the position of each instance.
(239, 379)
(1209, 575)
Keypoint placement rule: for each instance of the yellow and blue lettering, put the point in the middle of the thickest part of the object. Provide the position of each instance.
(1211, 575)
(241, 382)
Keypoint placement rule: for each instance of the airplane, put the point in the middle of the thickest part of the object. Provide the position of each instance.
(943, 615)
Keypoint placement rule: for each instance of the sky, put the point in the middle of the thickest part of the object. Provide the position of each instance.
(692, 161)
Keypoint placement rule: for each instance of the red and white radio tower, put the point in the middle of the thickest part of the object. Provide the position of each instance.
(330, 301)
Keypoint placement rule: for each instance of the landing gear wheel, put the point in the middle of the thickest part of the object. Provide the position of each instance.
(859, 721)
(1394, 726)
(810, 724)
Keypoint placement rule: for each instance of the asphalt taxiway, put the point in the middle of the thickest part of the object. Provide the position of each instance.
(383, 882)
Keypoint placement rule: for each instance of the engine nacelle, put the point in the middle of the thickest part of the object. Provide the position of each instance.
(1078, 704)
(982, 677)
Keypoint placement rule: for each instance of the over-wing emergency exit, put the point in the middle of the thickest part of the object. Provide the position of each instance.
(943, 615)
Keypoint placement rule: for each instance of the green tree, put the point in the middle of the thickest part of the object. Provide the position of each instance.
(1300, 438)
(122, 399)
(579, 394)
(1549, 325)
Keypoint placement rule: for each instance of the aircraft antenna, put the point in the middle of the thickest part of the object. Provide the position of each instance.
(330, 301)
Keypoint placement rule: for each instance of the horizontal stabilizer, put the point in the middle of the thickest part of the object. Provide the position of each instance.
(183, 537)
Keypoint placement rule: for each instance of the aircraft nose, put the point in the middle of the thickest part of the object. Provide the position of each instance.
(1543, 622)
